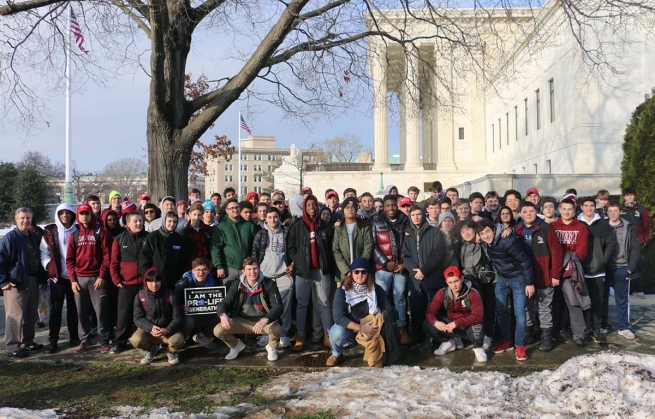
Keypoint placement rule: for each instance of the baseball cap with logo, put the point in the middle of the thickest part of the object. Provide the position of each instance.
(452, 271)
(405, 202)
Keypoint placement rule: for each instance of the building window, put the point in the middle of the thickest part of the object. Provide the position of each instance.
(500, 135)
(538, 98)
(516, 123)
(551, 87)
(461, 133)
(535, 168)
(269, 167)
(507, 126)
(548, 168)
(493, 138)
(228, 178)
(244, 157)
(525, 109)
(244, 178)
(244, 167)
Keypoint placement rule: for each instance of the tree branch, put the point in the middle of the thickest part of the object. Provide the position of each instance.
(139, 22)
(12, 8)
(199, 13)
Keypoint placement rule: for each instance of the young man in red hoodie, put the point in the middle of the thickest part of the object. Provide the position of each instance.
(87, 261)
(573, 237)
(124, 267)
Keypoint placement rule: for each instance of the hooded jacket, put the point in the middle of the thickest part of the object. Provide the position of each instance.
(54, 244)
(362, 246)
(388, 189)
(232, 304)
(545, 250)
(88, 258)
(156, 224)
(125, 252)
(298, 243)
(197, 241)
(111, 233)
(457, 309)
(629, 246)
(163, 309)
(601, 246)
(388, 237)
(509, 258)
(164, 250)
(296, 206)
(276, 259)
(231, 242)
(424, 248)
(638, 217)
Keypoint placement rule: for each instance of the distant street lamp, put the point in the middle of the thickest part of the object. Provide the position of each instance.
(381, 190)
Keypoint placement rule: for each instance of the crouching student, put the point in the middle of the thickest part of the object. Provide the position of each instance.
(198, 277)
(357, 309)
(252, 305)
(158, 316)
(456, 311)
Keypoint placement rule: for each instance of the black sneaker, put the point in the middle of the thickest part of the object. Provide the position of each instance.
(17, 354)
(33, 346)
(204, 340)
(51, 348)
(580, 341)
(117, 348)
(600, 336)
(73, 343)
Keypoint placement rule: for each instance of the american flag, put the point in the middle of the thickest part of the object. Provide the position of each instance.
(77, 32)
(245, 126)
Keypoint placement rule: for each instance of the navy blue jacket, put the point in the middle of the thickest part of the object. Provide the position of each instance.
(343, 314)
(510, 259)
(13, 258)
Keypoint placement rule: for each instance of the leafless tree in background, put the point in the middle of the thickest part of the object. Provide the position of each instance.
(123, 175)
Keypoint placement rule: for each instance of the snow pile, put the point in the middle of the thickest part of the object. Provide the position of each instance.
(12, 413)
(129, 412)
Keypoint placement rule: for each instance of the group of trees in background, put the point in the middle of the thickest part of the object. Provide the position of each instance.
(23, 185)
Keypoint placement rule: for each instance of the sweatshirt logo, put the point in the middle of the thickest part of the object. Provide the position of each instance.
(567, 236)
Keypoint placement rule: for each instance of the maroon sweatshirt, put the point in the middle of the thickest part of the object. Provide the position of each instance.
(574, 237)
(457, 310)
(88, 258)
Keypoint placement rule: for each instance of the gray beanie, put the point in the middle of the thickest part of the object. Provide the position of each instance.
(445, 215)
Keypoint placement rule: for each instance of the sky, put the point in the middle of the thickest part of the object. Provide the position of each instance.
(108, 122)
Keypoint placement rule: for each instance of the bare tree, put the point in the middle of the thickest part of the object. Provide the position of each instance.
(86, 183)
(124, 175)
(342, 149)
(309, 57)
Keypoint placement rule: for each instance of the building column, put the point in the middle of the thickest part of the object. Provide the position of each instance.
(378, 69)
(426, 116)
(445, 112)
(402, 131)
(478, 142)
(411, 99)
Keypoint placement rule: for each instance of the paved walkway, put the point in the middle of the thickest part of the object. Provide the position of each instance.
(642, 315)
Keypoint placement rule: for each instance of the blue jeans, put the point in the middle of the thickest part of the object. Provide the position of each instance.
(385, 280)
(338, 336)
(621, 296)
(517, 287)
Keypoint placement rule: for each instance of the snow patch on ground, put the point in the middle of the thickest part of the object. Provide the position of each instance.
(12, 413)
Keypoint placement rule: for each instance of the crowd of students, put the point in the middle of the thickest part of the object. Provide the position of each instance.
(387, 273)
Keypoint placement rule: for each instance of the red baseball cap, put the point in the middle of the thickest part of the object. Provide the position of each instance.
(532, 191)
(306, 189)
(144, 196)
(332, 193)
(252, 194)
(403, 202)
(181, 202)
(452, 271)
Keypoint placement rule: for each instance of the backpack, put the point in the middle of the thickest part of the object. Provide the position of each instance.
(447, 298)
(96, 234)
(391, 335)
(486, 271)
(142, 298)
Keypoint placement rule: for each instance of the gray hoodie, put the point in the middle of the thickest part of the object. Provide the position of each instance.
(156, 224)
(274, 262)
(296, 205)
(64, 235)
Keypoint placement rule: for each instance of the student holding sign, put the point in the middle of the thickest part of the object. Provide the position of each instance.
(198, 277)
(252, 305)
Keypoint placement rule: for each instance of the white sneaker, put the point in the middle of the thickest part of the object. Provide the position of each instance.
(612, 292)
(149, 355)
(285, 342)
(458, 343)
(173, 359)
(487, 343)
(234, 352)
(480, 354)
(627, 333)
(262, 341)
(272, 353)
(445, 347)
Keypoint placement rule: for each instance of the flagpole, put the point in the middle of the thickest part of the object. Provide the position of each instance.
(68, 186)
(239, 123)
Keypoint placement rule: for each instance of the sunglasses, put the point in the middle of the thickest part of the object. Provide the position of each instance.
(153, 280)
(150, 211)
(359, 272)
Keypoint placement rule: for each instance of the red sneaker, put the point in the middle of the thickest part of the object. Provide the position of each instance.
(105, 349)
(502, 347)
(521, 353)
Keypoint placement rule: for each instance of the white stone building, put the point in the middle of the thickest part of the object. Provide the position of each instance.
(521, 102)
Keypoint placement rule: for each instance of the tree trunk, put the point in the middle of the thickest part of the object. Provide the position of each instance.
(168, 160)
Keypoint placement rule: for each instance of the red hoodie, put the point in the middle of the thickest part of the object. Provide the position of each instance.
(88, 258)
(312, 225)
(574, 237)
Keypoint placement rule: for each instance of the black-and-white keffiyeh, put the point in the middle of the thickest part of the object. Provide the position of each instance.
(359, 293)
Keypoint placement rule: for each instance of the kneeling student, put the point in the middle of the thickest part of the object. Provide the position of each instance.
(252, 305)
(158, 317)
(456, 311)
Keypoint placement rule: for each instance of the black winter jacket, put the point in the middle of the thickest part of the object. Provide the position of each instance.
(298, 248)
(602, 244)
(510, 259)
(235, 297)
(344, 314)
(158, 312)
(388, 239)
(425, 248)
(166, 252)
(260, 243)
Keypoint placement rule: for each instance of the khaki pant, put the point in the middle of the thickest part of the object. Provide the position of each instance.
(21, 313)
(144, 340)
(241, 326)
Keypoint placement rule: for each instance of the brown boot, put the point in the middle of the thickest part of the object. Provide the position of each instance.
(300, 343)
(377, 364)
(333, 361)
(404, 336)
(326, 340)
